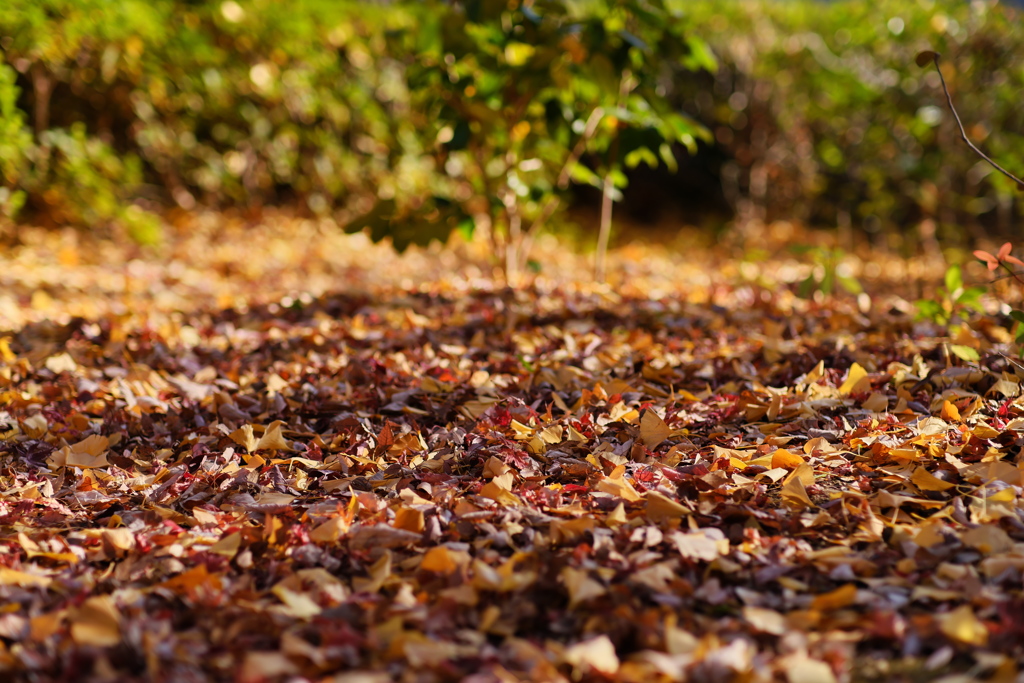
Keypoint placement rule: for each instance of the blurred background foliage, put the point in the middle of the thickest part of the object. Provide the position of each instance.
(424, 117)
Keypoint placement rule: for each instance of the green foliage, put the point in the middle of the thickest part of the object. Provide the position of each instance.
(221, 102)
(826, 273)
(476, 112)
(15, 142)
(824, 98)
(517, 100)
(954, 303)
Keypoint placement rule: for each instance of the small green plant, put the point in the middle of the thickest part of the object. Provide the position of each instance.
(954, 302)
(826, 274)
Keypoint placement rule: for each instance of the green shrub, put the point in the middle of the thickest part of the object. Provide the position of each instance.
(15, 143)
(824, 112)
(513, 101)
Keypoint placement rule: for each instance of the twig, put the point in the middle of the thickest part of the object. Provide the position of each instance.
(923, 59)
(562, 183)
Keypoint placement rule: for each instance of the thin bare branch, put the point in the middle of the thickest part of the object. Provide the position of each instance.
(963, 133)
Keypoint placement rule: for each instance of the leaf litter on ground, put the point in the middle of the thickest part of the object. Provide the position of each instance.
(359, 478)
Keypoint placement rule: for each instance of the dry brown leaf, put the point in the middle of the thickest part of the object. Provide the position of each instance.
(365, 536)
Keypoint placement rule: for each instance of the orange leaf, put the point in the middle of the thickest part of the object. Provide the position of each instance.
(837, 599)
(439, 559)
(786, 459)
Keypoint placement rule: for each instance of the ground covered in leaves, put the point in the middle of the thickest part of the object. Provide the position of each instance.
(270, 457)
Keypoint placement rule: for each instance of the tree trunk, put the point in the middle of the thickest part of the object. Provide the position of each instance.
(42, 88)
(605, 231)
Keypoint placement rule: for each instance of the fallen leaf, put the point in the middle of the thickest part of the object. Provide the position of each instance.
(653, 429)
(962, 626)
(596, 653)
(786, 459)
(926, 481)
(856, 380)
(794, 493)
(96, 622)
(843, 596)
(660, 508)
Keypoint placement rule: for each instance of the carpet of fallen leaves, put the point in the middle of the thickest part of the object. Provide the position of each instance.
(281, 454)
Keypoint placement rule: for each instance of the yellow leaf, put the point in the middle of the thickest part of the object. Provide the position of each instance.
(97, 622)
(597, 653)
(853, 378)
(570, 530)
(13, 577)
(505, 481)
(616, 516)
(5, 350)
(32, 549)
(227, 546)
(698, 546)
(552, 434)
(653, 429)
(961, 625)
(296, 604)
(330, 531)
(661, 508)
(984, 431)
(244, 437)
(87, 453)
(580, 586)
(803, 669)
(786, 459)
(794, 493)
(804, 472)
(837, 599)
(273, 439)
(61, 363)
(926, 481)
(495, 492)
(616, 485)
(949, 412)
(45, 625)
(765, 620)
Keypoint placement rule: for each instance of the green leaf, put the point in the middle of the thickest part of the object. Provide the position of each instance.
(850, 284)
(700, 56)
(954, 279)
(584, 176)
(964, 353)
(1017, 315)
(929, 309)
(466, 228)
(518, 54)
